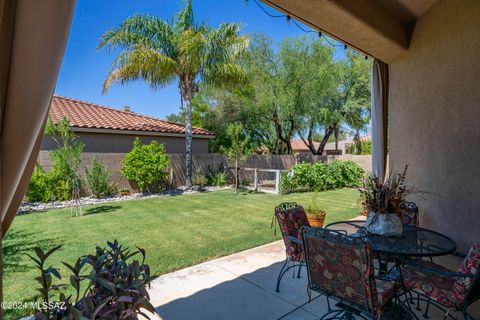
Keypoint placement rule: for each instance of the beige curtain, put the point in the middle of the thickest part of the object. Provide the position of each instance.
(379, 111)
(33, 36)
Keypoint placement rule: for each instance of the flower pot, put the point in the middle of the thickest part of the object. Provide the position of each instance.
(385, 224)
(125, 193)
(316, 218)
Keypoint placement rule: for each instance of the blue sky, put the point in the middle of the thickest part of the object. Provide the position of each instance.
(84, 69)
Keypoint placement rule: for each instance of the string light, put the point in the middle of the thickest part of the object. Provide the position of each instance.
(290, 19)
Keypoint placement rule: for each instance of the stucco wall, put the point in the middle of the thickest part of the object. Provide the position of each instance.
(122, 143)
(435, 117)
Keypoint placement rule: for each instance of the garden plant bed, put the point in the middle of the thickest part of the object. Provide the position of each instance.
(29, 207)
(175, 231)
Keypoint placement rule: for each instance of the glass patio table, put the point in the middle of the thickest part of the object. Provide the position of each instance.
(413, 242)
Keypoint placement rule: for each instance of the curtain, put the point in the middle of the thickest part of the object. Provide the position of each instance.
(379, 110)
(33, 36)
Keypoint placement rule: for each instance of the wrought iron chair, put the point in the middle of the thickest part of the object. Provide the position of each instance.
(291, 217)
(341, 267)
(444, 288)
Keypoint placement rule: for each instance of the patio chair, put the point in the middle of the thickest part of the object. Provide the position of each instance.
(444, 288)
(291, 217)
(409, 213)
(341, 267)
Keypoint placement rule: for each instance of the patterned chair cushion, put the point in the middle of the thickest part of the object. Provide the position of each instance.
(409, 213)
(290, 221)
(347, 272)
(432, 285)
(385, 291)
(470, 265)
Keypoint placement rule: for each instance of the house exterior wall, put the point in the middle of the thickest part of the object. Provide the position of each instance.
(122, 143)
(435, 118)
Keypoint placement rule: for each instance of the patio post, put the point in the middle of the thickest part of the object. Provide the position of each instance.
(379, 110)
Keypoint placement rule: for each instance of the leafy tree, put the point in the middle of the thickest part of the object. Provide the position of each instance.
(160, 53)
(238, 151)
(64, 177)
(145, 164)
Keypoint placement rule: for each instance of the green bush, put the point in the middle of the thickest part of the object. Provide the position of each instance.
(145, 165)
(39, 187)
(217, 179)
(362, 148)
(98, 180)
(321, 176)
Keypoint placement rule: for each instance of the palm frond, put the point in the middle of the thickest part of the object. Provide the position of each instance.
(184, 19)
(142, 63)
(143, 30)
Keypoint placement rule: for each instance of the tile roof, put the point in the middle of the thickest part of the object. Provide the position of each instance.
(90, 115)
(299, 145)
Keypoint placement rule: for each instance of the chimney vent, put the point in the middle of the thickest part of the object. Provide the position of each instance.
(127, 109)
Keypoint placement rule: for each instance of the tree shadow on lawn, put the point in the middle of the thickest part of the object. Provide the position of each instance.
(102, 209)
(19, 243)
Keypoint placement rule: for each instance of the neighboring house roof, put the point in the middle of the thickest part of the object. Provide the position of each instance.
(299, 145)
(93, 116)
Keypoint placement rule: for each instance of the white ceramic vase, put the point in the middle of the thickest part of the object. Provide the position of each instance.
(384, 224)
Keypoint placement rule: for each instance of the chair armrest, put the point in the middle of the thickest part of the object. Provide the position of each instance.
(294, 239)
(425, 268)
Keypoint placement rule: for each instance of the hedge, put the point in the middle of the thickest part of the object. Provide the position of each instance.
(305, 177)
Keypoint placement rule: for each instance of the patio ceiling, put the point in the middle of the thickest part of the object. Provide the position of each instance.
(380, 28)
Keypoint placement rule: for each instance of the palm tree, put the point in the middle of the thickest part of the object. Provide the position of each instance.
(160, 53)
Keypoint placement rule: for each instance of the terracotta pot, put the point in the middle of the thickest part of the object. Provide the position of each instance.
(316, 218)
(124, 193)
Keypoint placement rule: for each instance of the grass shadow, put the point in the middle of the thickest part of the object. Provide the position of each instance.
(102, 209)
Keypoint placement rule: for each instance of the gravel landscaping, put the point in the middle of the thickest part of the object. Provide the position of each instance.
(29, 207)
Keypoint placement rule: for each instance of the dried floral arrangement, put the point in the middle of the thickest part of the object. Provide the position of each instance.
(387, 196)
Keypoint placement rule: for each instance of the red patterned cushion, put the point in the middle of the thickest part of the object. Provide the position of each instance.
(290, 222)
(470, 265)
(435, 286)
(409, 213)
(385, 291)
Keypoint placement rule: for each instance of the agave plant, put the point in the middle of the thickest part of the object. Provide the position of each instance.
(386, 196)
(115, 286)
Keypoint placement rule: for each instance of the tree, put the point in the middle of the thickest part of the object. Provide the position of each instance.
(159, 53)
(347, 104)
(64, 176)
(145, 164)
(238, 151)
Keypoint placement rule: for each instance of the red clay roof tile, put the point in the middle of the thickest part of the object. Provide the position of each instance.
(89, 115)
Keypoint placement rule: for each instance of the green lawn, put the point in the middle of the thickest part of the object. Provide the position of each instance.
(176, 232)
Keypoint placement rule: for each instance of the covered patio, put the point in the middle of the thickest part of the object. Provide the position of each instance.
(426, 110)
(242, 286)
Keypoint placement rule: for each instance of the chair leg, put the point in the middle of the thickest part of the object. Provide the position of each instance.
(280, 275)
(299, 270)
(425, 315)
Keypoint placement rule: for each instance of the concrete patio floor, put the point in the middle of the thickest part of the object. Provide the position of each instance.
(239, 286)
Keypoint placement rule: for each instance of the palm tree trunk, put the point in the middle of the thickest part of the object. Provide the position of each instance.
(187, 104)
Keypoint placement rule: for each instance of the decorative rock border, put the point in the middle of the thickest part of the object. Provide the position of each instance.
(29, 207)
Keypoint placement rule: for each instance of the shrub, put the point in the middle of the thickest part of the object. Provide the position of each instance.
(321, 176)
(199, 180)
(39, 189)
(98, 180)
(363, 147)
(108, 284)
(217, 179)
(145, 165)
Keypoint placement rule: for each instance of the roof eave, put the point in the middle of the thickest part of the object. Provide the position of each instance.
(140, 133)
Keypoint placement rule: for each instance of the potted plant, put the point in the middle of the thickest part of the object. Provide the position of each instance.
(199, 181)
(124, 191)
(315, 215)
(383, 200)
